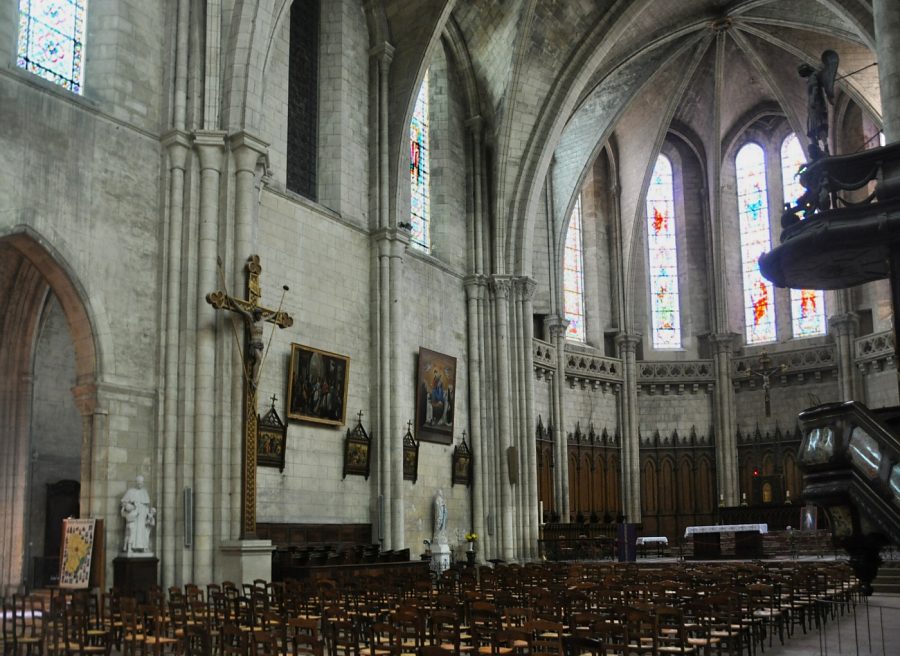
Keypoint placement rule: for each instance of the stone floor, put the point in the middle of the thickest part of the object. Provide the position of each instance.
(876, 632)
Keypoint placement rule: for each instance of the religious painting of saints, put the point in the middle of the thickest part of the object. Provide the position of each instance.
(77, 550)
(435, 397)
(317, 385)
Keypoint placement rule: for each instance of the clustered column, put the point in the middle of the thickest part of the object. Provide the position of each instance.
(556, 329)
(726, 438)
(631, 446)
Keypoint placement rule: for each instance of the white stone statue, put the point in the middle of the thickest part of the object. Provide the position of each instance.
(440, 519)
(140, 517)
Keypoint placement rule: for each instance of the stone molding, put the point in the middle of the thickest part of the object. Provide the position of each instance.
(874, 352)
(797, 364)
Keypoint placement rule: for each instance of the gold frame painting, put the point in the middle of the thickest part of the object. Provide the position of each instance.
(435, 397)
(317, 385)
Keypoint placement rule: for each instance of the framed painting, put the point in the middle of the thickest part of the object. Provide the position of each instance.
(77, 553)
(317, 385)
(357, 452)
(462, 464)
(435, 397)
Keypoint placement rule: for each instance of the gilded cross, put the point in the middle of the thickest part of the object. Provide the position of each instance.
(254, 316)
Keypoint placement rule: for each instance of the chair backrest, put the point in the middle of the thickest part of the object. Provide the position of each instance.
(576, 645)
(305, 636)
(546, 637)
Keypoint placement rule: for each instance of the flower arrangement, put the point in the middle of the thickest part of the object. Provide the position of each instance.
(472, 537)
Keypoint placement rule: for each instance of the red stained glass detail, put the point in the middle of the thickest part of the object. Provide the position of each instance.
(760, 303)
(807, 302)
(660, 221)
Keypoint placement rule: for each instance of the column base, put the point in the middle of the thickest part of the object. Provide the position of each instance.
(246, 560)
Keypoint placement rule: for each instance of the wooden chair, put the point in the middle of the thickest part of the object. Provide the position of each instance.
(305, 636)
(673, 634)
(577, 645)
(446, 632)
(342, 638)
(545, 637)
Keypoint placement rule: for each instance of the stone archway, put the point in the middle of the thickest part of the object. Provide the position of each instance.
(34, 282)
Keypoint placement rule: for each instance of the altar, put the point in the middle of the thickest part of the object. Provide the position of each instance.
(725, 541)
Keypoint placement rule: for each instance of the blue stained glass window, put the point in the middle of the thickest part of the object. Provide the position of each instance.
(665, 314)
(418, 171)
(51, 40)
(807, 305)
(753, 211)
(573, 276)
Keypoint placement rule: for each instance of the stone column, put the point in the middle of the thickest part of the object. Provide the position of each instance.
(556, 331)
(844, 328)
(474, 292)
(383, 348)
(398, 243)
(247, 152)
(177, 146)
(627, 344)
(726, 438)
(887, 44)
(210, 148)
(502, 286)
(529, 475)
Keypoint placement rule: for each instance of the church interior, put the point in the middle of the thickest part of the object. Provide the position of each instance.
(303, 266)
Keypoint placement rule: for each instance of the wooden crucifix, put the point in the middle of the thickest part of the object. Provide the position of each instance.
(255, 317)
(766, 371)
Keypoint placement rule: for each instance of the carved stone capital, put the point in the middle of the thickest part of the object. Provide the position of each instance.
(723, 342)
(210, 145)
(844, 324)
(627, 342)
(177, 145)
(383, 52)
(501, 286)
(526, 287)
(85, 397)
(247, 150)
(555, 326)
(475, 286)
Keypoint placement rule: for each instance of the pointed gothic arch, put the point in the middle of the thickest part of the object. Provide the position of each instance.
(31, 274)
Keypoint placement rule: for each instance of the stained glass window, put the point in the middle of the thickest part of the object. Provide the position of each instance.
(573, 276)
(418, 171)
(807, 305)
(665, 316)
(753, 210)
(303, 99)
(51, 40)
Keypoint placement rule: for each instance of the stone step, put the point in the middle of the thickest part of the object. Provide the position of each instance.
(888, 579)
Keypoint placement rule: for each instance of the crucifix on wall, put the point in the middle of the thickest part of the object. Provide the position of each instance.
(254, 317)
(765, 372)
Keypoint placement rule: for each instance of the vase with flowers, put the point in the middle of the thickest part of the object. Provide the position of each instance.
(471, 538)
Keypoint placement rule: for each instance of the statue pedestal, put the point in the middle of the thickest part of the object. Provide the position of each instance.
(440, 557)
(246, 560)
(134, 576)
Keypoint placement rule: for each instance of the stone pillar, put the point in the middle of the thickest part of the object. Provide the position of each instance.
(383, 348)
(556, 331)
(529, 447)
(627, 344)
(887, 45)
(726, 429)
(474, 293)
(502, 286)
(177, 146)
(398, 243)
(247, 152)
(210, 148)
(843, 328)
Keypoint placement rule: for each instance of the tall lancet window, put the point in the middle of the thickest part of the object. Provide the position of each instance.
(420, 210)
(665, 315)
(303, 99)
(753, 210)
(807, 305)
(573, 276)
(51, 40)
